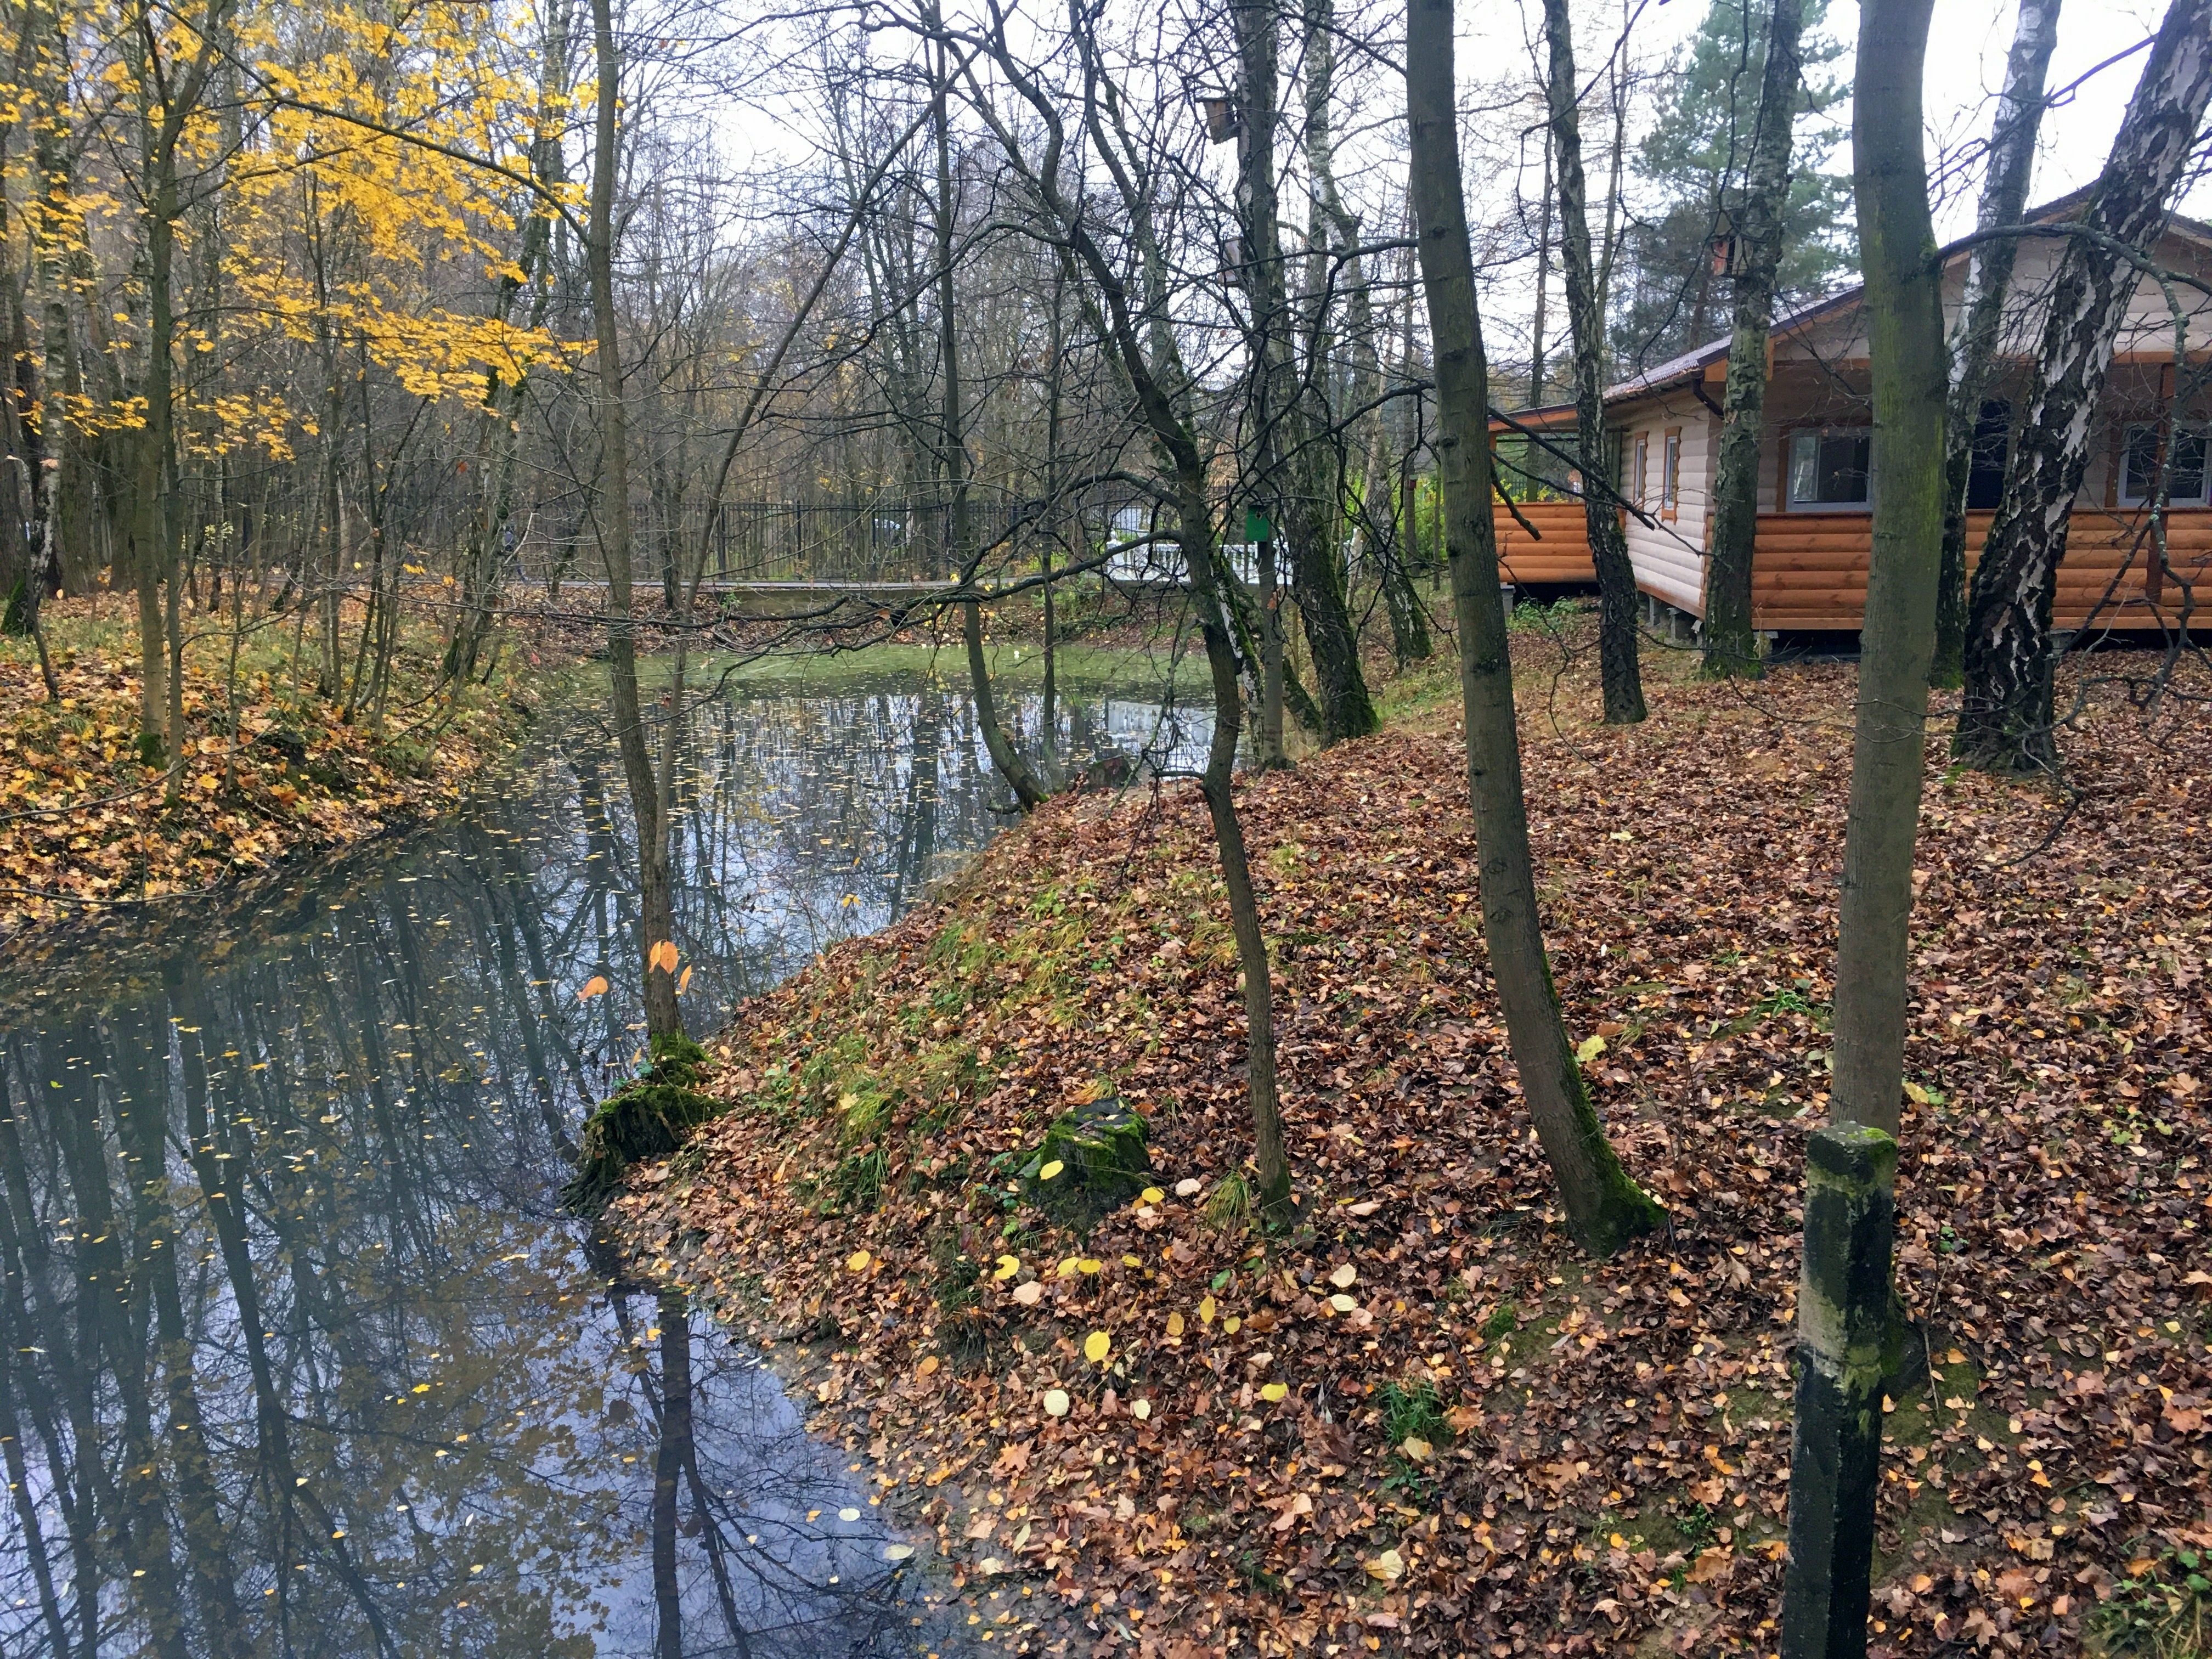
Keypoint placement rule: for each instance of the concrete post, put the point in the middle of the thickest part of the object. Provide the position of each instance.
(1843, 1332)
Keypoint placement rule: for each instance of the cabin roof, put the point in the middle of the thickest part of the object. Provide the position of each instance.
(1691, 365)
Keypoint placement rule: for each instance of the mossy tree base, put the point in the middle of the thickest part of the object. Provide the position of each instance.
(645, 1119)
(1102, 1157)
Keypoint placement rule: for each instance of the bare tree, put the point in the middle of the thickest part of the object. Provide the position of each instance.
(1605, 1208)
(1981, 313)
(2006, 719)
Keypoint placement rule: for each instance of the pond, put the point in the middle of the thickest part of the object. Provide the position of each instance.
(299, 1354)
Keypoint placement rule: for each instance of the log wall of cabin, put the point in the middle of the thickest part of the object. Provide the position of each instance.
(1669, 554)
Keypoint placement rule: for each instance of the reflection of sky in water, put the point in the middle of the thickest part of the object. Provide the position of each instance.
(281, 1242)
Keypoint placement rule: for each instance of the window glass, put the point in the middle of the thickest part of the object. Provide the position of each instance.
(1986, 465)
(2139, 460)
(1670, 472)
(1829, 468)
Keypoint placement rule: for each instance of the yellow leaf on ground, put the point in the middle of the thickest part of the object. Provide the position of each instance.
(1141, 1410)
(858, 1260)
(1096, 1347)
(1050, 1169)
(1389, 1567)
(1175, 1324)
(1205, 1306)
(1273, 1392)
(1008, 1267)
(1345, 1277)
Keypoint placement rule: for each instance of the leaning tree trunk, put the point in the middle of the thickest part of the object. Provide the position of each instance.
(1845, 1297)
(1618, 671)
(1604, 1207)
(1989, 278)
(1731, 645)
(612, 508)
(2005, 719)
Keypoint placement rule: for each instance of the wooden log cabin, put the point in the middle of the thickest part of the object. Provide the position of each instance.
(1809, 568)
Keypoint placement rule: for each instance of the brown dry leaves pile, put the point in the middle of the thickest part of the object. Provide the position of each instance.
(83, 823)
(1423, 1423)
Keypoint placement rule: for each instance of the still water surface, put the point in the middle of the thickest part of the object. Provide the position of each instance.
(297, 1354)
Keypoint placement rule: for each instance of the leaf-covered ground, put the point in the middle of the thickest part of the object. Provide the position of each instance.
(1423, 1423)
(84, 825)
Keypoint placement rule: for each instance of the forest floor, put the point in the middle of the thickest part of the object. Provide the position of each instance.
(85, 826)
(1419, 1421)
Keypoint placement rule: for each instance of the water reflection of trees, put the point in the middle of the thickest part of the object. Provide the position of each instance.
(298, 1355)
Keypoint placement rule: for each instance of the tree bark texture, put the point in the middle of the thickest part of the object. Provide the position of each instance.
(1731, 647)
(1620, 672)
(1904, 310)
(2006, 719)
(1604, 1208)
(612, 510)
(1981, 312)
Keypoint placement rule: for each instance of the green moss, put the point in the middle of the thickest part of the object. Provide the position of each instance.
(1098, 1160)
(647, 1118)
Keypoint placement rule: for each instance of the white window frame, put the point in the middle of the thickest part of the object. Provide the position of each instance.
(1789, 501)
(2204, 474)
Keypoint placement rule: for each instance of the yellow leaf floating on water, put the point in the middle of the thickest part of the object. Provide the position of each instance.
(857, 1261)
(594, 987)
(1008, 1267)
(1206, 1307)
(897, 1551)
(1273, 1392)
(1096, 1347)
(1055, 1402)
(1141, 1410)
(1050, 1169)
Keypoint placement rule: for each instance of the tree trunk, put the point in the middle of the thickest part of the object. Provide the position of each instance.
(1303, 513)
(1619, 671)
(952, 448)
(1731, 647)
(2005, 720)
(1604, 1207)
(1851, 1173)
(1905, 324)
(1981, 314)
(612, 509)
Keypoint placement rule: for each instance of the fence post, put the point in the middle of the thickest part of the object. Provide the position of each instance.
(1842, 1330)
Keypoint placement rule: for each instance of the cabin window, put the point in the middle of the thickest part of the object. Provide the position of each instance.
(2186, 480)
(1829, 468)
(1985, 467)
(1671, 473)
(1638, 469)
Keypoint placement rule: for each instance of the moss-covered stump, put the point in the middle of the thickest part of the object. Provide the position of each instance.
(648, 1117)
(1092, 1160)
